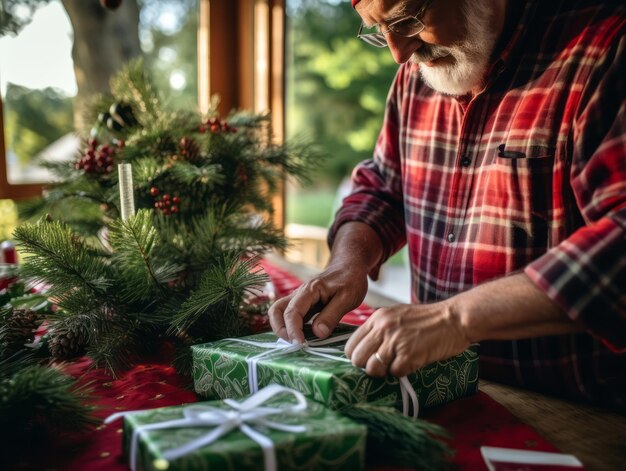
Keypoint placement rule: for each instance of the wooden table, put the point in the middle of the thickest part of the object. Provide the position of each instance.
(595, 436)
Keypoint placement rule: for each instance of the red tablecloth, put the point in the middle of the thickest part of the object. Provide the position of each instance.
(473, 421)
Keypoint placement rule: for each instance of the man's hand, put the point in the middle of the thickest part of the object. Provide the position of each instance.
(332, 293)
(400, 339)
(406, 337)
(341, 287)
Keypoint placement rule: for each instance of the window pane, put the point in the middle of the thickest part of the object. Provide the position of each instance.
(335, 95)
(44, 85)
(336, 87)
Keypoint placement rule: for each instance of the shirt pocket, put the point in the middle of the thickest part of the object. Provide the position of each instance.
(514, 197)
(526, 174)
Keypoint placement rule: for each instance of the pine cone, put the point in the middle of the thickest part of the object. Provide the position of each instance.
(19, 328)
(66, 344)
(189, 150)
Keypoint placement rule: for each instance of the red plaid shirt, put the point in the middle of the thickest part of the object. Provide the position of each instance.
(528, 175)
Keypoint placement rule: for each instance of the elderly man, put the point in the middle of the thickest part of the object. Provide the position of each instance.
(502, 164)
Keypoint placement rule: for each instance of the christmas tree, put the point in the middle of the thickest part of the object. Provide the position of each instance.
(181, 266)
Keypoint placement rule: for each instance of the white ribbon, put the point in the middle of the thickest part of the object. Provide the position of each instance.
(244, 416)
(318, 348)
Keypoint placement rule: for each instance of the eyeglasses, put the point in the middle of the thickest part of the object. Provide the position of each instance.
(407, 27)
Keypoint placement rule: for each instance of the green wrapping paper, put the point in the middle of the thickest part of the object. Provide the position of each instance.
(330, 441)
(220, 370)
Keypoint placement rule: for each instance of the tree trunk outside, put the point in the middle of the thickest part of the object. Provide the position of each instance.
(104, 40)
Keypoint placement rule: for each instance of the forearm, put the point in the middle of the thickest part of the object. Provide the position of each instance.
(509, 308)
(358, 246)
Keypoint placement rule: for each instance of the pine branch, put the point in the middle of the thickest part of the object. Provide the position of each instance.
(11, 365)
(115, 348)
(247, 233)
(181, 236)
(134, 241)
(393, 439)
(219, 296)
(62, 259)
(39, 402)
(133, 87)
(183, 174)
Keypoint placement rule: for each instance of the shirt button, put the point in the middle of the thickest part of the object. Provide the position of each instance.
(466, 161)
(451, 237)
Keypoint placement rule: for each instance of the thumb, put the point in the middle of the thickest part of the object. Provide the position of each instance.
(329, 317)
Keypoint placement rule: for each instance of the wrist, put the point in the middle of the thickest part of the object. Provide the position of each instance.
(357, 247)
(460, 313)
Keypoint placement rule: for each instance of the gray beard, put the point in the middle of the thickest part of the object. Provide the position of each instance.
(470, 57)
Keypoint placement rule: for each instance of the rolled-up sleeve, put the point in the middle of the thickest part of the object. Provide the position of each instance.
(586, 273)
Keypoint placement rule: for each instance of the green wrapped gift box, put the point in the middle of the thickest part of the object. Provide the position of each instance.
(329, 441)
(222, 369)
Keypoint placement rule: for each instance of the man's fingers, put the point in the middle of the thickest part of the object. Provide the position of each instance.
(300, 305)
(358, 335)
(329, 317)
(377, 366)
(276, 315)
(365, 347)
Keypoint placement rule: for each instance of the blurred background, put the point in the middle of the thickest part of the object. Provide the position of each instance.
(56, 54)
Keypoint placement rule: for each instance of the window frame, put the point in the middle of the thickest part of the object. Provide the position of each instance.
(245, 42)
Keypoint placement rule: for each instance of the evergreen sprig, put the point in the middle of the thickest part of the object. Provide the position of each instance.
(219, 295)
(396, 440)
(60, 258)
(141, 276)
(38, 403)
(133, 86)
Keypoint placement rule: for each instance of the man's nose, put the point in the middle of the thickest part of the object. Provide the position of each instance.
(402, 48)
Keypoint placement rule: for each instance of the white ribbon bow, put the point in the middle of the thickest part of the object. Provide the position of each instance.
(318, 348)
(244, 416)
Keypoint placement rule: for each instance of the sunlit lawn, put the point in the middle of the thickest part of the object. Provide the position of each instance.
(312, 207)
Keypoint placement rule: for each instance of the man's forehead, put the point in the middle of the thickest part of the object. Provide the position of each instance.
(373, 11)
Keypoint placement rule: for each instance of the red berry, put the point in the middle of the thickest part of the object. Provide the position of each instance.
(174, 209)
(121, 143)
(166, 197)
(92, 142)
(111, 4)
(105, 148)
(154, 191)
(215, 127)
(176, 199)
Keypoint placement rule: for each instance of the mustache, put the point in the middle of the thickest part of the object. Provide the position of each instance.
(429, 52)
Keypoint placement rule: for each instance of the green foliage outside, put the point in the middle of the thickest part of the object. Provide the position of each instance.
(34, 119)
(337, 85)
(173, 51)
(8, 219)
(312, 207)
